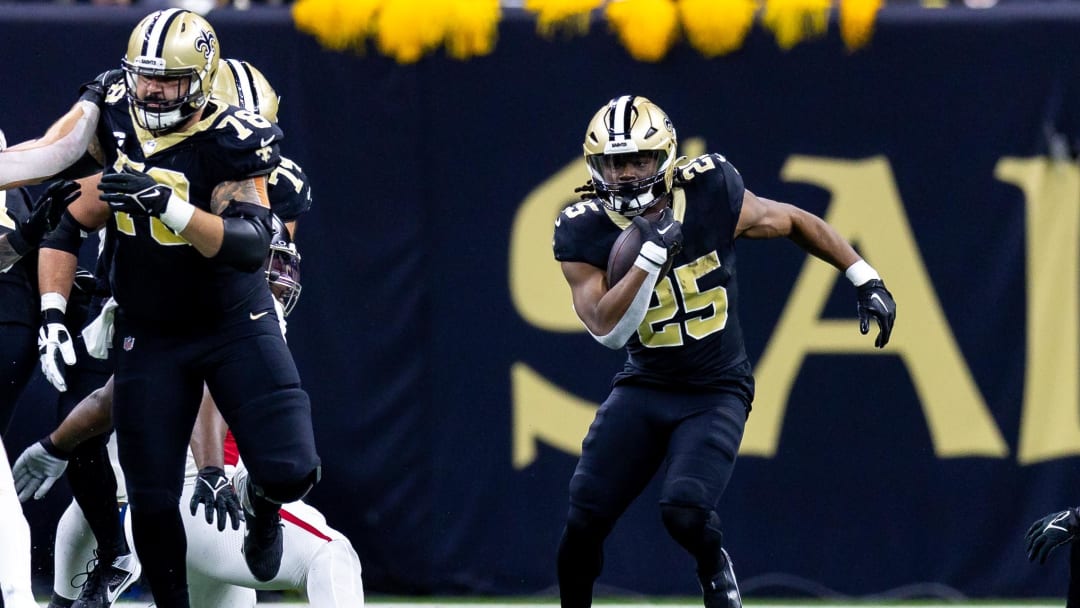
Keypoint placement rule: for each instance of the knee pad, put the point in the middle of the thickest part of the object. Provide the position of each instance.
(275, 438)
(698, 531)
(282, 492)
(684, 524)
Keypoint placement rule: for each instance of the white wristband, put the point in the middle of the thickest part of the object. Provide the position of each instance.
(651, 258)
(177, 213)
(860, 272)
(53, 300)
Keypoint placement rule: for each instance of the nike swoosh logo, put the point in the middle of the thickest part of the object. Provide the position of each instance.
(256, 317)
(1059, 518)
(664, 231)
(266, 142)
(875, 296)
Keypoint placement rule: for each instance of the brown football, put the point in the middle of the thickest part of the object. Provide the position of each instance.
(623, 253)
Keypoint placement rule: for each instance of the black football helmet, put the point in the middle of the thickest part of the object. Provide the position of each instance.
(283, 267)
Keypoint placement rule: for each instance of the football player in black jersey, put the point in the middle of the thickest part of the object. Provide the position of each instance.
(184, 195)
(684, 394)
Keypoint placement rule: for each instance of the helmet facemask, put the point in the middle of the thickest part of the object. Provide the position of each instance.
(630, 182)
(283, 274)
(181, 95)
(282, 266)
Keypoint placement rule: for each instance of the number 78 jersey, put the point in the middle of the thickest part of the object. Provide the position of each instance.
(691, 337)
(155, 274)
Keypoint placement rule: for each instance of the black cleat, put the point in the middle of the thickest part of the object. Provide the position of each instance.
(263, 545)
(722, 591)
(106, 582)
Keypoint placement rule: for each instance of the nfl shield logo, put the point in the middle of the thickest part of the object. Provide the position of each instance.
(129, 343)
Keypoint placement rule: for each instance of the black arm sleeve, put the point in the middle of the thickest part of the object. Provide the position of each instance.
(247, 236)
(67, 236)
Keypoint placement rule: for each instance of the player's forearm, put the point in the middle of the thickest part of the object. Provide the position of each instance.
(62, 145)
(90, 418)
(208, 436)
(821, 240)
(56, 271)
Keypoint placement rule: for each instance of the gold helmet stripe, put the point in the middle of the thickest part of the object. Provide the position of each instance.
(156, 30)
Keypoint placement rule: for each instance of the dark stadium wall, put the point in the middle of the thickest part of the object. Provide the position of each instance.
(452, 384)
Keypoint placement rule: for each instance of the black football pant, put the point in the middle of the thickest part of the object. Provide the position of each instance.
(18, 360)
(158, 387)
(637, 431)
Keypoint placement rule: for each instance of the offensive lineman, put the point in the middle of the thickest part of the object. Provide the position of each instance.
(185, 190)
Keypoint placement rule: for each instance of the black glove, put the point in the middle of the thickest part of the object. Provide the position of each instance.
(876, 301)
(215, 493)
(664, 231)
(1051, 532)
(134, 192)
(46, 214)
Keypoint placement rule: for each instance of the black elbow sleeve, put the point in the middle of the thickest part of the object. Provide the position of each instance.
(247, 236)
(67, 236)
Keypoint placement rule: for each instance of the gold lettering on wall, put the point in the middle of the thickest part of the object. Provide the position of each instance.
(867, 210)
(1050, 419)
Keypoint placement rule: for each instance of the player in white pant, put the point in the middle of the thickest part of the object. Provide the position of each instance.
(15, 546)
(316, 559)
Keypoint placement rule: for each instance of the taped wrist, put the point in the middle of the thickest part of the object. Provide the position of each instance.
(246, 241)
(651, 257)
(53, 307)
(860, 272)
(177, 213)
(635, 313)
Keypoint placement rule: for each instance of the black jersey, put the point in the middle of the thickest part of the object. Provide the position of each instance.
(19, 282)
(155, 274)
(289, 192)
(691, 337)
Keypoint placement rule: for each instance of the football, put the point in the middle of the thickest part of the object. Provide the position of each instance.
(625, 250)
(623, 253)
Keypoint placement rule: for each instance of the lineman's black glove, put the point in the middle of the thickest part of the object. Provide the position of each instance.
(45, 215)
(134, 192)
(215, 493)
(876, 301)
(1051, 532)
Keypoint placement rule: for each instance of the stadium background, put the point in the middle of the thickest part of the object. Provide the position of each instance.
(451, 384)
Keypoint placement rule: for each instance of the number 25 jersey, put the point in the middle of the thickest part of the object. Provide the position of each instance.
(156, 275)
(690, 338)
